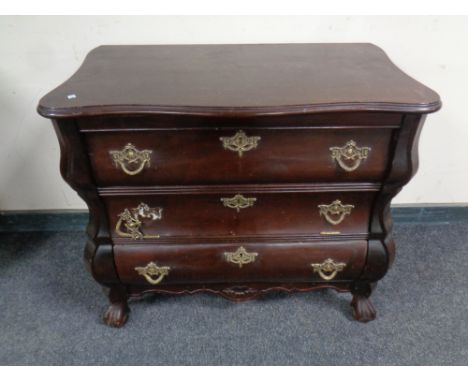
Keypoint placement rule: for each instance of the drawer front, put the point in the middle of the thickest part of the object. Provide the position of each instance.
(238, 214)
(202, 156)
(221, 263)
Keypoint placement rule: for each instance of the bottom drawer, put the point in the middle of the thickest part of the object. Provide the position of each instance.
(328, 261)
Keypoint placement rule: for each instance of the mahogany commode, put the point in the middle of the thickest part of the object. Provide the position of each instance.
(238, 169)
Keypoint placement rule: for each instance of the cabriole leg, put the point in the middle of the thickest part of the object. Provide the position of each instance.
(363, 310)
(117, 313)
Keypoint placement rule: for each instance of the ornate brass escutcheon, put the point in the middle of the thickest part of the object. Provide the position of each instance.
(335, 209)
(240, 257)
(130, 159)
(328, 269)
(240, 142)
(238, 202)
(349, 153)
(152, 270)
(132, 221)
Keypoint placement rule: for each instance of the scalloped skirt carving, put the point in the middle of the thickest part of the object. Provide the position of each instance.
(238, 292)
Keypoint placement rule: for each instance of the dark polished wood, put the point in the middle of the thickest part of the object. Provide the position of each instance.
(300, 100)
(117, 313)
(274, 263)
(237, 79)
(282, 155)
(280, 214)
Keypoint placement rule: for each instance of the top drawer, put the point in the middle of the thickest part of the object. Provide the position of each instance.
(238, 155)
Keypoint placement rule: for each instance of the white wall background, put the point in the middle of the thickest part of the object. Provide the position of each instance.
(38, 53)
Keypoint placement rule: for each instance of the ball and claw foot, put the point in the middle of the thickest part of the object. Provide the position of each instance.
(363, 310)
(116, 315)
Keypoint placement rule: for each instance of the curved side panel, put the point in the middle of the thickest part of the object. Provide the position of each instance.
(75, 170)
(381, 251)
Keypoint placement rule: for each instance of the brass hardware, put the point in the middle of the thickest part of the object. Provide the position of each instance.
(240, 256)
(240, 142)
(152, 270)
(132, 222)
(238, 201)
(330, 233)
(349, 152)
(336, 208)
(328, 269)
(129, 156)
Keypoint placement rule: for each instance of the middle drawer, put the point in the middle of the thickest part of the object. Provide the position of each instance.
(233, 214)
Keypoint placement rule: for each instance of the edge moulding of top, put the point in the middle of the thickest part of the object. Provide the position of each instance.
(236, 111)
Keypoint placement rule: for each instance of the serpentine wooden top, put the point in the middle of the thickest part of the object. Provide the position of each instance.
(237, 80)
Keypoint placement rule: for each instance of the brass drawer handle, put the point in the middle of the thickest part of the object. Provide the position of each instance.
(335, 209)
(152, 270)
(328, 269)
(238, 202)
(240, 142)
(240, 256)
(130, 159)
(351, 153)
(132, 221)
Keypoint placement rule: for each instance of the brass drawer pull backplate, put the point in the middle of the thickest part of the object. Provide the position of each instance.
(349, 156)
(152, 270)
(132, 221)
(240, 257)
(238, 202)
(240, 142)
(130, 159)
(328, 269)
(335, 209)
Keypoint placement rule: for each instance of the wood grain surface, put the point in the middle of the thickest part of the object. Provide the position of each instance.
(237, 80)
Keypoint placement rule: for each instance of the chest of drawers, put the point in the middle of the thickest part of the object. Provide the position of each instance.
(238, 169)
